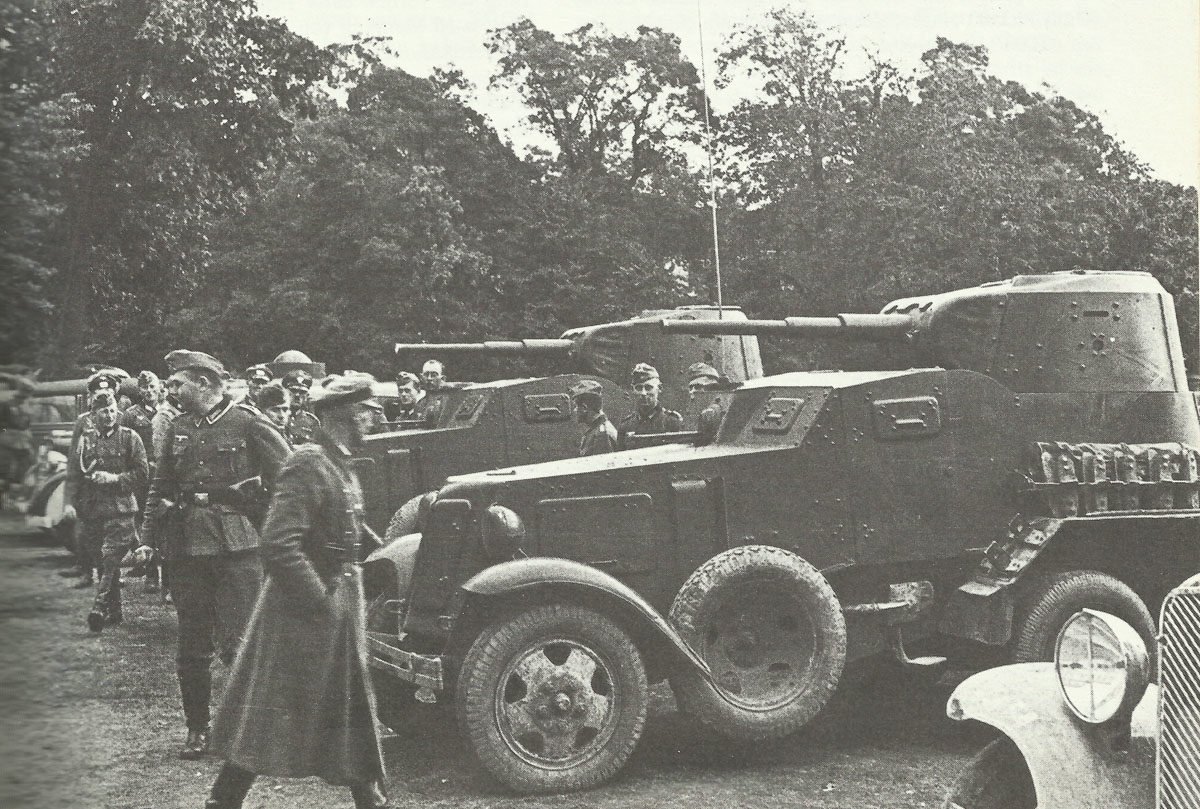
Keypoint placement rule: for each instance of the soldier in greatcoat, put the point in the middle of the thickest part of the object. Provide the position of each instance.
(216, 458)
(299, 700)
(601, 435)
(105, 471)
(648, 416)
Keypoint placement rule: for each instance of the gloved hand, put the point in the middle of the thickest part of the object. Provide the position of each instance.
(103, 478)
(69, 513)
(143, 554)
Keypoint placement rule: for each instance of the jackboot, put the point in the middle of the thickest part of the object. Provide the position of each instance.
(195, 746)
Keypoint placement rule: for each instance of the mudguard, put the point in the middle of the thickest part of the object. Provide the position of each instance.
(400, 556)
(1073, 766)
(548, 573)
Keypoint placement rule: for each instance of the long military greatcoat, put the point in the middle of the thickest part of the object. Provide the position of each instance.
(299, 700)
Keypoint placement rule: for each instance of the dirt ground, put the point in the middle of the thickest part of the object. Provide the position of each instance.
(94, 721)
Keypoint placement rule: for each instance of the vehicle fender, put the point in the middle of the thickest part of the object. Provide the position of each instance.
(526, 579)
(391, 565)
(41, 495)
(1072, 764)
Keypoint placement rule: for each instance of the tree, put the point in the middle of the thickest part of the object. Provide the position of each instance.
(181, 104)
(952, 180)
(610, 104)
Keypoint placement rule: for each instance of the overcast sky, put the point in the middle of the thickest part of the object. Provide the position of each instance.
(1134, 64)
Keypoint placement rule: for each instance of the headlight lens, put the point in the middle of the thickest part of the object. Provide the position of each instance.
(502, 532)
(1102, 666)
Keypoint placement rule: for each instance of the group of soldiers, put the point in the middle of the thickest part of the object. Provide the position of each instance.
(184, 474)
(648, 416)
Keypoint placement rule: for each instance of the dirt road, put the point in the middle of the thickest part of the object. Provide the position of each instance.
(94, 721)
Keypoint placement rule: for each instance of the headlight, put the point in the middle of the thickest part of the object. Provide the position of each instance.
(1102, 665)
(502, 531)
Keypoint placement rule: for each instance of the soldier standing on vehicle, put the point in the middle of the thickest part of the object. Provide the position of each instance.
(257, 377)
(412, 403)
(304, 423)
(299, 700)
(216, 455)
(601, 435)
(649, 416)
(703, 380)
(104, 473)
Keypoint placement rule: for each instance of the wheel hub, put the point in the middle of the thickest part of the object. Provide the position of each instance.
(555, 704)
(758, 644)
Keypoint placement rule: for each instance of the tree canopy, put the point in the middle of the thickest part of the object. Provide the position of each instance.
(195, 173)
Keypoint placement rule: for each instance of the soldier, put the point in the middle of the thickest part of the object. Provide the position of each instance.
(304, 424)
(106, 469)
(413, 404)
(649, 416)
(139, 417)
(601, 435)
(257, 377)
(703, 381)
(299, 702)
(107, 379)
(275, 402)
(200, 514)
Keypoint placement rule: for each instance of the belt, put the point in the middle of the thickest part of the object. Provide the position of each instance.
(200, 498)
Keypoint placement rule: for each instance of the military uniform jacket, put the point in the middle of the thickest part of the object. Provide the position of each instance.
(120, 452)
(302, 429)
(229, 445)
(426, 410)
(600, 437)
(140, 419)
(658, 420)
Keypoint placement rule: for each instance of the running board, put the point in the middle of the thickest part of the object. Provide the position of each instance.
(896, 643)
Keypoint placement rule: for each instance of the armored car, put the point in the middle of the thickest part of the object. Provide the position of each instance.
(1038, 456)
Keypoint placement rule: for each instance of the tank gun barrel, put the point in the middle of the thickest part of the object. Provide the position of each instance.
(882, 328)
(557, 347)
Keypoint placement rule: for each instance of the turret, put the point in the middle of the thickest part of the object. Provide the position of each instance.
(1069, 331)
(612, 349)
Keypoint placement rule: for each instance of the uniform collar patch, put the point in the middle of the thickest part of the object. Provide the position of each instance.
(219, 409)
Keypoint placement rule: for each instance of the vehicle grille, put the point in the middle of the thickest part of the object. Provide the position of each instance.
(1179, 700)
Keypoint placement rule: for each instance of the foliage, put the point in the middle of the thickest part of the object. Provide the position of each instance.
(180, 105)
(612, 105)
(902, 187)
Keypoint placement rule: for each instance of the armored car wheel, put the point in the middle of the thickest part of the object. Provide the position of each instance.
(1050, 599)
(997, 778)
(403, 522)
(553, 699)
(772, 632)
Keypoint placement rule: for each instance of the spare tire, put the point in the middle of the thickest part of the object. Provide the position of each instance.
(1048, 600)
(403, 522)
(771, 630)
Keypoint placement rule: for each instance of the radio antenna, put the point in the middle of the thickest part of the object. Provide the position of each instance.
(712, 188)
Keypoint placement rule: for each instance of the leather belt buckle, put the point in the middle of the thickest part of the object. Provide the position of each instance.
(200, 498)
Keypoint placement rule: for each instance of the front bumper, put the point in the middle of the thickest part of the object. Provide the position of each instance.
(423, 671)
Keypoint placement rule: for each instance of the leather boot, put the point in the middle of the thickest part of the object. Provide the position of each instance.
(369, 796)
(196, 746)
